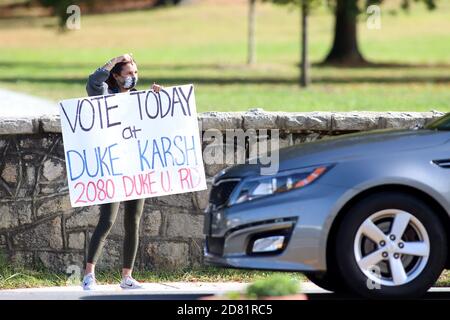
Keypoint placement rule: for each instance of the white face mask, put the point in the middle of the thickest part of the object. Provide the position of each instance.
(130, 82)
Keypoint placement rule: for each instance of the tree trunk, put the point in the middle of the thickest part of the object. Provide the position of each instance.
(345, 45)
(251, 54)
(304, 64)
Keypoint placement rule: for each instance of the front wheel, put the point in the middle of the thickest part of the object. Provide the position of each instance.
(390, 245)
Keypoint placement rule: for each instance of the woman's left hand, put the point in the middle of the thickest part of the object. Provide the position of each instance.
(156, 87)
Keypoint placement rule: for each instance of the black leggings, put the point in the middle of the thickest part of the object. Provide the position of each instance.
(108, 214)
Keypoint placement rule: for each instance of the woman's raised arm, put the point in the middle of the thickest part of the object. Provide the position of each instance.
(96, 84)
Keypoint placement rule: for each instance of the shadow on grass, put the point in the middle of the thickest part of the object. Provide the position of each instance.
(381, 65)
(241, 80)
(45, 66)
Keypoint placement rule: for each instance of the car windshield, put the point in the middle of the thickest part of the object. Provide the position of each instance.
(441, 123)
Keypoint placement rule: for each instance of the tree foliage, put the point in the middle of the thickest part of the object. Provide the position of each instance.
(59, 8)
(358, 5)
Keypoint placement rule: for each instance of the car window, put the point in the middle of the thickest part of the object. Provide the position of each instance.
(441, 123)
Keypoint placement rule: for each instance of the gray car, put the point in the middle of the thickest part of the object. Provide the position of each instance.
(365, 213)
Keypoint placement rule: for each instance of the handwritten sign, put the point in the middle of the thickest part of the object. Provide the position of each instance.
(132, 145)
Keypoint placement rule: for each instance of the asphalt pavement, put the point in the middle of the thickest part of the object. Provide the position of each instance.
(171, 291)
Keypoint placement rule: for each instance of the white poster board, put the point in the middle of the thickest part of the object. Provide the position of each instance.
(132, 145)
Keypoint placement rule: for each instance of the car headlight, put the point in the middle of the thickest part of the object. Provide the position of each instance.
(264, 186)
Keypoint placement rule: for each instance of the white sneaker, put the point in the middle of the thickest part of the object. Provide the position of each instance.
(129, 283)
(89, 282)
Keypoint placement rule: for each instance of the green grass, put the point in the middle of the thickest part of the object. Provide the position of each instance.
(205, 44)
(16, 276)
(198, 274)
(12, 277)
(444, 280)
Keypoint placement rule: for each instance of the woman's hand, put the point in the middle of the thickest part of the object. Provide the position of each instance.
(127, 57)
(156, 87)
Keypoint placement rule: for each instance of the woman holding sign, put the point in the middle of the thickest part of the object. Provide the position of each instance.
(116, 76)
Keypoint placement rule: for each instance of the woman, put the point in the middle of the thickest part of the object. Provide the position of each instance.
(116, 76)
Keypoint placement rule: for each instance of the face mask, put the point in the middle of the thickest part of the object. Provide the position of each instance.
(130, 82)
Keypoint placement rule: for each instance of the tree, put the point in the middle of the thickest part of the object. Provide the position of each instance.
(59, 8)
(305, 7)
(304, 61)
(345, 48)
(167, 2)
(345, 45)
(251, 53)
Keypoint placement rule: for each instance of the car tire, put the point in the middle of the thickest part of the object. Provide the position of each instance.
(404, 260)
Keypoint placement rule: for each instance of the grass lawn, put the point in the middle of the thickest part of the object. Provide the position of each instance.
(205, 44)
(18, 277)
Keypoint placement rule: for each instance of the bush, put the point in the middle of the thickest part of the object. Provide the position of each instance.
(277, 285)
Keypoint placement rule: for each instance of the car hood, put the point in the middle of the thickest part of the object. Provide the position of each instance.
(346, 147)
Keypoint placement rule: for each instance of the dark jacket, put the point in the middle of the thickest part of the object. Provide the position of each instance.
(97, 86)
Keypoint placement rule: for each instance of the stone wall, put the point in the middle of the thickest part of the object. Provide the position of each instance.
(38, 226)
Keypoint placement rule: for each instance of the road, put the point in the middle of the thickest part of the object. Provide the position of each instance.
(169, 291)
(20, 105)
